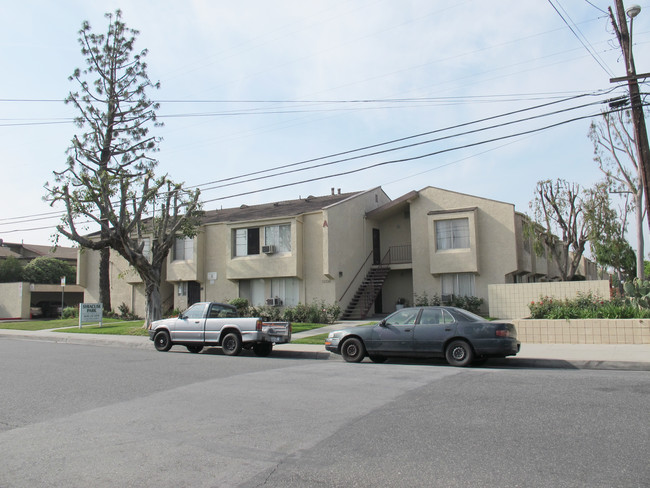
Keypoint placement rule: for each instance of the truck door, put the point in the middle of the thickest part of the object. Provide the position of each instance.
(216, 319)
(189, 326)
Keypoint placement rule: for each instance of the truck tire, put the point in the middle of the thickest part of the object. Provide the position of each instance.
(262, 349)
(231, 344)
(162, 341)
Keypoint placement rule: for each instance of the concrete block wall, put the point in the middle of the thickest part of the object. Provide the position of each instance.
(510, 301)
(588, 331)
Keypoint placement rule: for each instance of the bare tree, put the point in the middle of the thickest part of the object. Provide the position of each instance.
(109, 179)
(616, 155)
(562, 222)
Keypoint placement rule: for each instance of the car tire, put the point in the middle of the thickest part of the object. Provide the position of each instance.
(162, 341)
(378, 359)
(353, 350)
(194, 349)
(459, 353)
(231, 344)
(262, 349)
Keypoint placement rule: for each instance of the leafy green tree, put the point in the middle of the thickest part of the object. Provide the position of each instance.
(11, 270)
(616, 155)
(607, 240)
(46, 270)
(109, 179)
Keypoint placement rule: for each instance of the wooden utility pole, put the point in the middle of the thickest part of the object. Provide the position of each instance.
(638, 119)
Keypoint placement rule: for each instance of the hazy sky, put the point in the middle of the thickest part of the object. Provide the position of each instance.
(254, 85)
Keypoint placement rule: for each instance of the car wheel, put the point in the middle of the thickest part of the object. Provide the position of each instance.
(378, 359)
(459, 353)
(353, 350)
(194, 349)
(162, 341)
(262, 349)
(231, 344)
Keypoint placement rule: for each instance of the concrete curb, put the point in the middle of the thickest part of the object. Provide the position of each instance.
(620, 357)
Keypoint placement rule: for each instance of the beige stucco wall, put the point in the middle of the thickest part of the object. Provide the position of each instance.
(494, 245)
(512, 300)
(592, 331)
(14, 300)
(126, 286)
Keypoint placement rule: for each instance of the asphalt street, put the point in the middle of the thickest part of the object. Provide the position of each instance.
(82, 415)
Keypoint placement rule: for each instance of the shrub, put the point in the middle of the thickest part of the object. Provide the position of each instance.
(424, 300)
(70, 313)
(241, 304)
(585, 306)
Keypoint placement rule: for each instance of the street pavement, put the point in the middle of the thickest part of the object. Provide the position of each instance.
(632, 357)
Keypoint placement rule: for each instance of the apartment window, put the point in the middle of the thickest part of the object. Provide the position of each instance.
(452, 234)
(459, 284)
(247, 241)
(278, 236)
(184, 249)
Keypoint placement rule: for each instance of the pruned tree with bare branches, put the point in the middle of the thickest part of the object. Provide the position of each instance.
(109, 180)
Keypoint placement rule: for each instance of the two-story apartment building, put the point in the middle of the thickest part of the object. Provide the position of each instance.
(357, 248)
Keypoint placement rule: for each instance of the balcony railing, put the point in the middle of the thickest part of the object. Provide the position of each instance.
(398, 255)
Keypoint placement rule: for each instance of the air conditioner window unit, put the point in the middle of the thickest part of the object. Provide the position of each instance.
(274, 302)
(268, 249)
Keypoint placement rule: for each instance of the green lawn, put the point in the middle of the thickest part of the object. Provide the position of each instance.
(52, 324)
(120, 327)
(317, 339)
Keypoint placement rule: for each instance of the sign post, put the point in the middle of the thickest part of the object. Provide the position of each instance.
(90, 312)
(62, 292)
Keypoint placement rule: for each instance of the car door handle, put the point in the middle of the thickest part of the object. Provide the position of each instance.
(407, 330)
(447, 329)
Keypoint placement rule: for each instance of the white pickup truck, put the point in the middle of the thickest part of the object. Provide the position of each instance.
(217, 324)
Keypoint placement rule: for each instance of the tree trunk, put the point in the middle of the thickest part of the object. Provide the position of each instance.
(105, 279)
(153, 310)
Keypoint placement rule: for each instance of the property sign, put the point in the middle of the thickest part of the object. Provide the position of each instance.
(90, 312)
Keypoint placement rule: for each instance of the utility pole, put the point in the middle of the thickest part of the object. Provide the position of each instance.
(638, 119)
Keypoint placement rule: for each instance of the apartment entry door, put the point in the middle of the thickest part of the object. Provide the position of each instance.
(193, 292)
(376, 249)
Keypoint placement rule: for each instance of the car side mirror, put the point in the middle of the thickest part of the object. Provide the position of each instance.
(181, 316)
(382, 323)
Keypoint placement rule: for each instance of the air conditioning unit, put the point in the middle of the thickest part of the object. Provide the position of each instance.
(268, 249)
(274, 302)
(446, 298)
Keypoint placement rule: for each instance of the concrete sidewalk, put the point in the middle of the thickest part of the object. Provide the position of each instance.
(571, 356)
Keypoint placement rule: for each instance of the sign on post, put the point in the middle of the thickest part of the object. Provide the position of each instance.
(90, 312)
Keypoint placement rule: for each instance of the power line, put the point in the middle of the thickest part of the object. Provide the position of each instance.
(46, 216)
(575, 31)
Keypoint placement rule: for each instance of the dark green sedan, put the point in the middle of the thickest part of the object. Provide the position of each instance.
(459, 336)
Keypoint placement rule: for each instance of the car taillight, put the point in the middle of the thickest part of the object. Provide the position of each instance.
(503, 333)
(258, 326)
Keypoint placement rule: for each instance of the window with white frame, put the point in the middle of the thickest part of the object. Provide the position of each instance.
(278, 236)
(458, 284)
(183, 249)
(247, 241)
(452, 234)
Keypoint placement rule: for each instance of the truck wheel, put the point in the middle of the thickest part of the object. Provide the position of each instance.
(162, 341)
(231, 344)
(262, 349)
(194, 349)
(353, 350)
(459, 353)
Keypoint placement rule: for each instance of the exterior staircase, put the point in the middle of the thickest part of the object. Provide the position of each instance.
(366, 294)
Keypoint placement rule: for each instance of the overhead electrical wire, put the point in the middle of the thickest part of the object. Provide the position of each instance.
(371, 166)
(393, 141)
